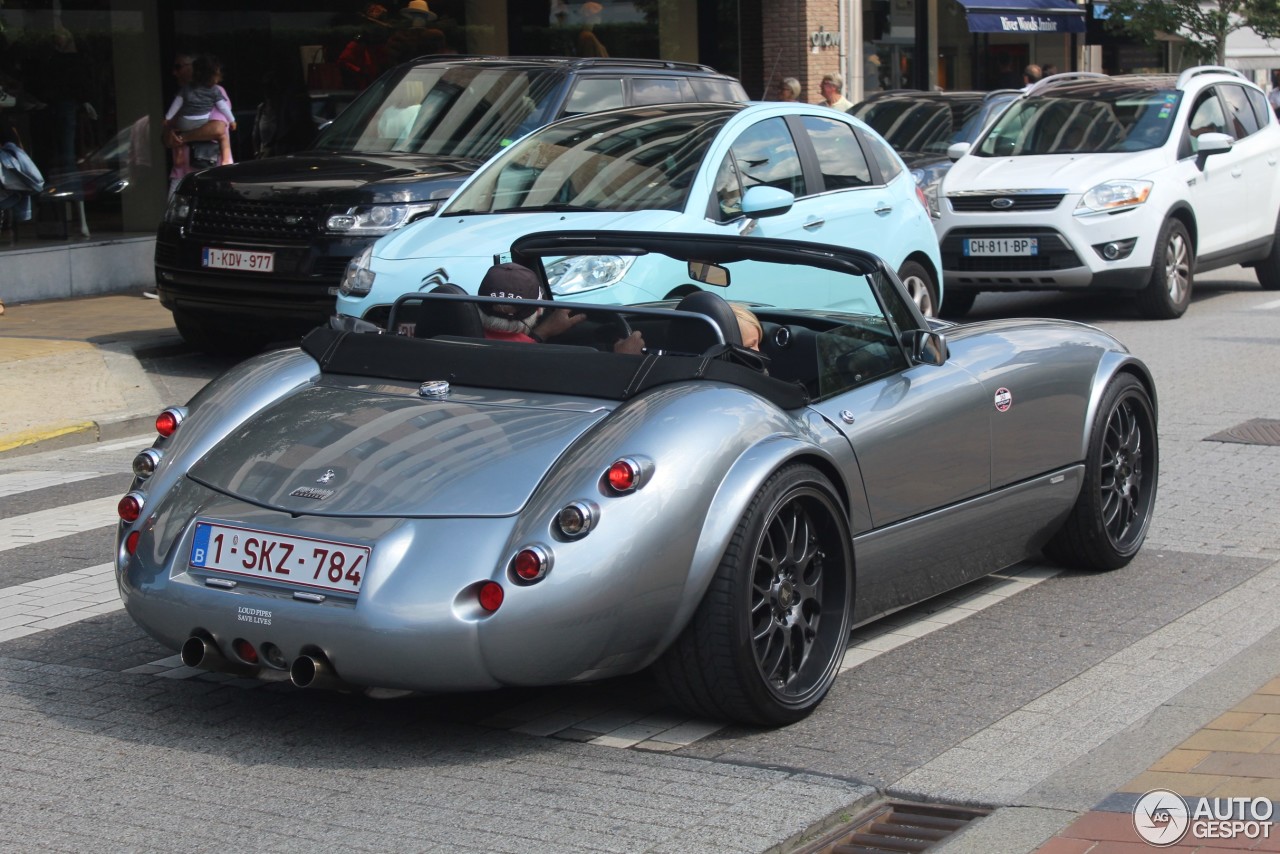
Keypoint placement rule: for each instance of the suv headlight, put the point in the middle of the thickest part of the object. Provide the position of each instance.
(373, 220)
(357, 279)
(1113, 196)
(178, 210)
(578, 273)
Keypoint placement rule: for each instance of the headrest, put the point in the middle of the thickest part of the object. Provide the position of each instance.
(695, 336)
(448, 318)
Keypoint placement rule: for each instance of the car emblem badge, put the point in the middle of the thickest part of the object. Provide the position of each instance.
(1003, 400)
(434, 389)
(1002, 203)
(312, 492)
(438, 276)
(326, 477)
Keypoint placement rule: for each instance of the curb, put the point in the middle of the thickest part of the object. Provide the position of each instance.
(70, 435)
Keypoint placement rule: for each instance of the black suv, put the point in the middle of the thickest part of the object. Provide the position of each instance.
(254, 252)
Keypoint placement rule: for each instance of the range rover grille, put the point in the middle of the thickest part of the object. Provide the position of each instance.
(244, 218)
(1020, 202)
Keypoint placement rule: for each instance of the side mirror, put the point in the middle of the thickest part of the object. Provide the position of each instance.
(956, 150)
(926, 347)
(1212, 143)
(766, 201)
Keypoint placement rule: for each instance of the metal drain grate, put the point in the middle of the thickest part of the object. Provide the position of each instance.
(1259, 431)
(895, 826)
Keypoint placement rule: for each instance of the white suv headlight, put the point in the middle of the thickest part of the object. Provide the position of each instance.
(373, 220)
(357, 279)
(1114, 196)
(578, 273)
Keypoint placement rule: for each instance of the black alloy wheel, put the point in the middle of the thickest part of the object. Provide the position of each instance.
(1109, 522)
(767, 639)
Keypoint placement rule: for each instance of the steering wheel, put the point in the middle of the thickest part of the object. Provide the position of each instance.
(612, 331)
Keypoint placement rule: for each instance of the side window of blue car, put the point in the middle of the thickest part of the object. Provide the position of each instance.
(840, 157)
(765, 154)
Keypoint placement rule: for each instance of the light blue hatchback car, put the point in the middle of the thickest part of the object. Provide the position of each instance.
(796, 171)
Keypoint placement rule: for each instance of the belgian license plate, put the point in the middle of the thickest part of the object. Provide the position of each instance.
(302, 561)
(1001, 246)
(238, 259)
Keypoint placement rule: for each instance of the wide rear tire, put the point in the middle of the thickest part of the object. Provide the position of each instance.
(766, 642)
(1109, 522)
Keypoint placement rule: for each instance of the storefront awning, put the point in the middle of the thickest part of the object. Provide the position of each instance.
(1025, 17)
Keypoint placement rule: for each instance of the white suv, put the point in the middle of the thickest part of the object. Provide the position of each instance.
(1128, 183)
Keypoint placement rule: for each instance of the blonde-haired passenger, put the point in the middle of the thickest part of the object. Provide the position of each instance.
(749, 325)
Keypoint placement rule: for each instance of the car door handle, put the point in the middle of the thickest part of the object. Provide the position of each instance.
(1237, 172)
(1271, 161)
(811, 224)
(884, 210)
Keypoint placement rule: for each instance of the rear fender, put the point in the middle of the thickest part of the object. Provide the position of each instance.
(222, 406)
(736, 491)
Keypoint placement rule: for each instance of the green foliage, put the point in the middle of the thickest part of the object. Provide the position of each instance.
(1205, 25)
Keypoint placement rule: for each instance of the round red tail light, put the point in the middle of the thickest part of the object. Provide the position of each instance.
(490, 596)
(167, 422)
(531, 563)
(131, 542)
(130, 507)
(245, 651)
(624, 475)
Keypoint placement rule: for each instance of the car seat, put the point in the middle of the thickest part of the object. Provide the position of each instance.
(447, 317)
(693, 336)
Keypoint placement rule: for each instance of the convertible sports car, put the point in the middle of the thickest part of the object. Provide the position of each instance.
(451, 513)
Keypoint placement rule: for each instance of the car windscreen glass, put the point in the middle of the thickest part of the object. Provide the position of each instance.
(445, 110)
(625, 161)
(1084, 122)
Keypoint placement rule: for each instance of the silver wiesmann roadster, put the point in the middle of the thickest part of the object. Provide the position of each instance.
(447, 512)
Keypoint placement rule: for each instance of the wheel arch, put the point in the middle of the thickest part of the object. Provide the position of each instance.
(1112, 364)
(738, 488)
(922, 258)
(1184, 214)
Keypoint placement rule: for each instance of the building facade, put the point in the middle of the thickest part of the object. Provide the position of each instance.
(86, 82)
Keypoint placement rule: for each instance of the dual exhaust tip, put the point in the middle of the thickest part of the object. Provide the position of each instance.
(306, 671)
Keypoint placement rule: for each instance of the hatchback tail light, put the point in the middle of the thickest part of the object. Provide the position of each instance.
(130, 507)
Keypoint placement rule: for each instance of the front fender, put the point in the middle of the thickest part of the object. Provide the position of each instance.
(1112, 363)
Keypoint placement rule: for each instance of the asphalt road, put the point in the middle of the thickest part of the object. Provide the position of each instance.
(1036, 692)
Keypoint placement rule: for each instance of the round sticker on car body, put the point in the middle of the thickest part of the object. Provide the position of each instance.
(1004, 399)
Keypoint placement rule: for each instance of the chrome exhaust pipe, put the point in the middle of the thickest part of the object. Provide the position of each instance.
(202, 653)
(312, 671)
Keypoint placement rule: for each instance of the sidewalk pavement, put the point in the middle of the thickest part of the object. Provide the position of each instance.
(1236, 755)
(61, 359)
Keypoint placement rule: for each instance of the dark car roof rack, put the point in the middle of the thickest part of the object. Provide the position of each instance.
(570, 61)
(1065, 77)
